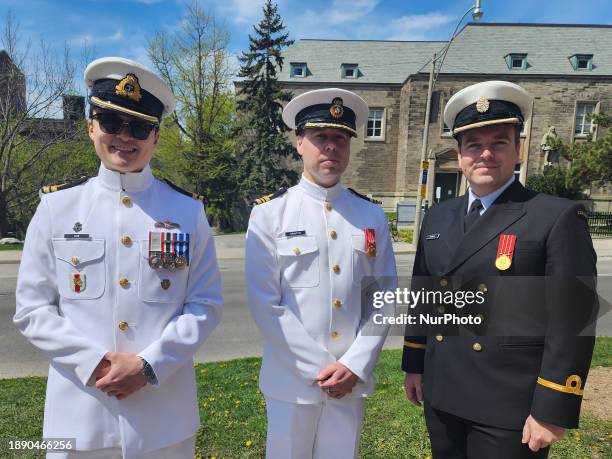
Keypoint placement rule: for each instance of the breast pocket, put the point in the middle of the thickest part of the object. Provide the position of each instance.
(363, 264)
(160, 285)
(80, 268)
(299, 261)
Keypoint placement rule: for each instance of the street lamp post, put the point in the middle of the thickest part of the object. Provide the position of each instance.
(477, 13)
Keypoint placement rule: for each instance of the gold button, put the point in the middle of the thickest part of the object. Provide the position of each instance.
(336, 268)
(477, 347)
(123, 326)
(443, 282)
(124, 282)
(439, 338)
(335, 334)
(296, 251)
(338, 303)
(75, 260)
(482, 287)
(333, 234)
(126, 240)
(328, 206)
(126, 200)
(441, 309)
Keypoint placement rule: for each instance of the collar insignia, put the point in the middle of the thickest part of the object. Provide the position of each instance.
(129, 87)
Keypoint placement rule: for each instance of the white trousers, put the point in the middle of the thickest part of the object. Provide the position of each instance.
(181, 450)
(314, 431)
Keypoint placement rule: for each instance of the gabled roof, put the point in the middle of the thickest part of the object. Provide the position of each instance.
(479, 48)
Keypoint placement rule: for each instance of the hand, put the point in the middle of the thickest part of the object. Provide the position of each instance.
(413, 384)
(337, 380)
(540, 434)
(101, 370)
(124, 377)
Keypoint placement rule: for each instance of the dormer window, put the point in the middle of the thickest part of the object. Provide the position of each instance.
(298, 69)
(582, 61)
(516, 61)
(349, 70)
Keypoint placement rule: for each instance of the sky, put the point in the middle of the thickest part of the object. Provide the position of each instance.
(124, 27)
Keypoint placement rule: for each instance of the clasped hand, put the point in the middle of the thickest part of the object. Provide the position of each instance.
(337, 380)
(119, 374)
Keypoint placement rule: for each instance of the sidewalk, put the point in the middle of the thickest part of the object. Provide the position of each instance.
(232, 247)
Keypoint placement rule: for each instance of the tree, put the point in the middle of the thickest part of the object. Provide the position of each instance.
(263, 145)
(196, 149)
(591, 161)
(588, 164)
(32, 89)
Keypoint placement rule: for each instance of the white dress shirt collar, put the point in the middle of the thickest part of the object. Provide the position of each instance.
(129, 181)
(319, 192)
(489, 199)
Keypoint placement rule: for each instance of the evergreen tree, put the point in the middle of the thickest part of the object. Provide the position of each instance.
(263, 146)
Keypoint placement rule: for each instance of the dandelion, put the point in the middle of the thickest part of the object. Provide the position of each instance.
(211, 399)
(248, 443)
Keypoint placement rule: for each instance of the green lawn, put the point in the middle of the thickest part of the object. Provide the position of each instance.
(11, 246)
(234, 417)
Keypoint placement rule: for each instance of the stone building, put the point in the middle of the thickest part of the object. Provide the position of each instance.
(567, 68)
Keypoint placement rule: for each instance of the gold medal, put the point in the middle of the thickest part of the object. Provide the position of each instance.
(503, 262)
(181, 262)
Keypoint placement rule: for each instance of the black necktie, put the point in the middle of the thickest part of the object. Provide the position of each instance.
(472, 214)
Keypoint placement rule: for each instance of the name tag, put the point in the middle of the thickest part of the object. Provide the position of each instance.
(432, 237)
(76, 236)
(295, 233)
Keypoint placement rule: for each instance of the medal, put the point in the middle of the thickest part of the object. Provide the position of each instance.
(370, 242)
(505, 251)
(155, 259)
(168, 255)
(181, 244)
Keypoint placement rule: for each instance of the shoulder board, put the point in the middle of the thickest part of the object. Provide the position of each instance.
(359, 195)
(269, 197)
(62, 186)
(199, 197)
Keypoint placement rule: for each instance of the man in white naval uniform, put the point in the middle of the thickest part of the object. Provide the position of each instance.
(119, 285)
(308, 249)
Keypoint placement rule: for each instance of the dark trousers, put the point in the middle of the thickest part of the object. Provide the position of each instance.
(453, 437)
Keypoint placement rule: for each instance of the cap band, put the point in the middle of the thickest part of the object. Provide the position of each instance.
(128, 96)
(328, 125)
(487, 123)
(485, 113)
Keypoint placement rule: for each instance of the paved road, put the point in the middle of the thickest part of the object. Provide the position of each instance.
(237, 336)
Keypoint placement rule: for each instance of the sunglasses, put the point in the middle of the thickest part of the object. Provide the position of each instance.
(113, 124)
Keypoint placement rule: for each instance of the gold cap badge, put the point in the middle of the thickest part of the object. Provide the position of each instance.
(129, 87)
(336, 109)
(482, 104)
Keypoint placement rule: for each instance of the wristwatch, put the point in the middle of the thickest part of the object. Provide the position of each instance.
(147, 372)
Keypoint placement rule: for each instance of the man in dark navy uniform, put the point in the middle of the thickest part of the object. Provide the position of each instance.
(512, 393)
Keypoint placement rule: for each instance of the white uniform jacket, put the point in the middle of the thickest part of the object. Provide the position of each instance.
(163, 324)
(305, 259)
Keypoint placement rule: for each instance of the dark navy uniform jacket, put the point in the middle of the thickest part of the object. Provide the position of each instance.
(525, 358)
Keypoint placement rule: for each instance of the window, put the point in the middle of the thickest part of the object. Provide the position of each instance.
(445, 129)
(376, 124)
(349, 70)
(583, 125)
(298, 69)
(517, 171)
(516, 61)
(582, 61)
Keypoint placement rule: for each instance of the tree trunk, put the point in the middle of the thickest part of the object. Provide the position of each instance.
(3, 215)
